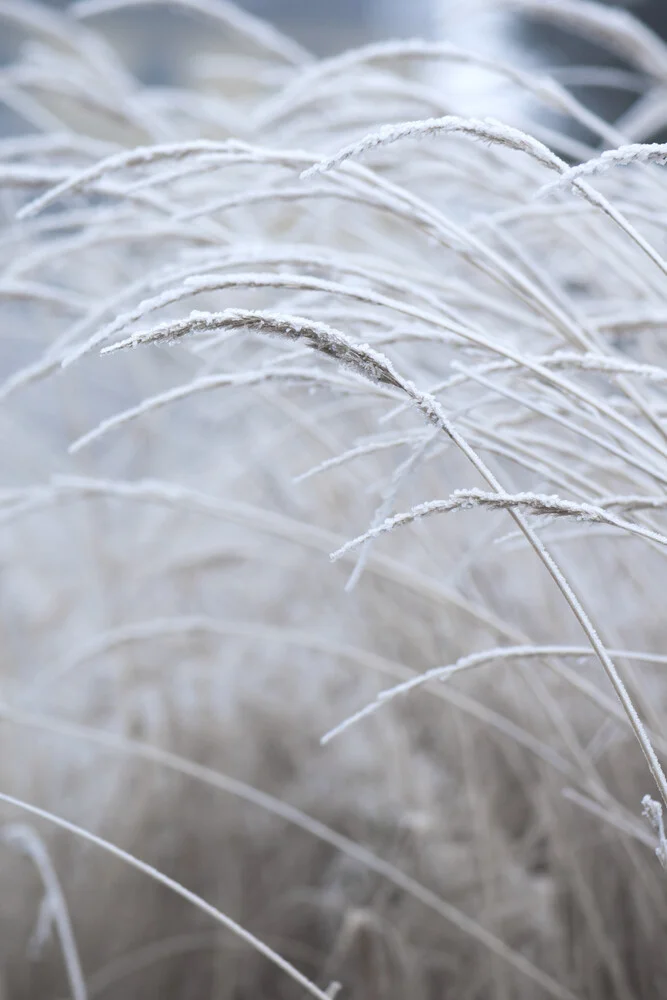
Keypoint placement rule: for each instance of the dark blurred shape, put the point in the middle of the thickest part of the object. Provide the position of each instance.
(557, 48)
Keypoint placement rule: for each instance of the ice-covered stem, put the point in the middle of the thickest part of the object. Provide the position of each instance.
(652, 810)
(531, 503)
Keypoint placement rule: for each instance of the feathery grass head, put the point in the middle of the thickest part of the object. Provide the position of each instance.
(334, 324)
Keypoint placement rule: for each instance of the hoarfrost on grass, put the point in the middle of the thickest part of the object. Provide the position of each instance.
(332, 323)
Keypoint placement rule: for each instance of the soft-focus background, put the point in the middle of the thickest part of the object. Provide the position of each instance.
(171, 625)
(158, 42)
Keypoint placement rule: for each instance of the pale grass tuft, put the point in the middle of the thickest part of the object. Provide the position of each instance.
(274, 347)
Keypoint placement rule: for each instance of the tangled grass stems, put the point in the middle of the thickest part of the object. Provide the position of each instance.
(182, 544)
(291, 815)
(494, 132)
(196, 285)
(376, 368)
(579, 428)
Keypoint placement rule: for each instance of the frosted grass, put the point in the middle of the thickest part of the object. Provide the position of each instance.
(243, 323)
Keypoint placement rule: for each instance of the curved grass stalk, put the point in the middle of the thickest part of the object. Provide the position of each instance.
(291, 815)
(175, 887)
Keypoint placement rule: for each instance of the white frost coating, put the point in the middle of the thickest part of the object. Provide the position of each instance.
(488, 130)
(548, 506)
(635, 153)
(140, 157)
